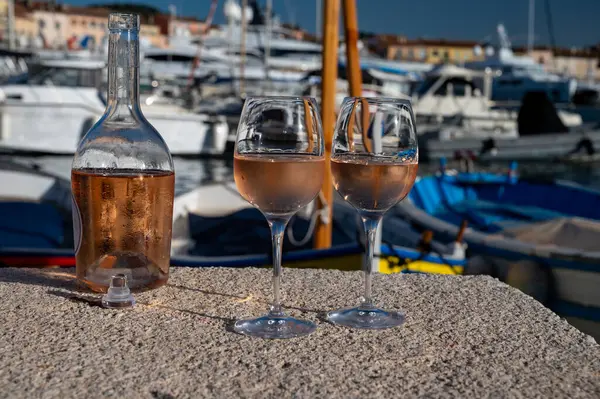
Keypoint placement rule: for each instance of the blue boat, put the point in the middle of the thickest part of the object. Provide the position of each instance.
(213, 226)
(540, 236)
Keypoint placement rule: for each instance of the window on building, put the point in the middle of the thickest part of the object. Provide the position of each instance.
(435, 53)
(422, 54)
(411, 54)
(93, 24)
(57, 25)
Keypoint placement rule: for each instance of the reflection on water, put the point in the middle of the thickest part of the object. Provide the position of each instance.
(191, 173)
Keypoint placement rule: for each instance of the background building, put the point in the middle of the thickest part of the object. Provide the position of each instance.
(61, 26)
(583, 64)
(52, 27)
(86, 24)
(432, 51)
(170, 26)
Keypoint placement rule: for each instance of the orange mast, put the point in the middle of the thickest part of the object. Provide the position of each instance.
(331, 12)
(351, 36)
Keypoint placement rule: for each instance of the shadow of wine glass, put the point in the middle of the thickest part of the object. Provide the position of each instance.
(190, 312)
(243, 298)
(205, 292)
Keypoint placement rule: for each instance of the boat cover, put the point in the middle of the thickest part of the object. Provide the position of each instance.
(538, 115)
(30, 225)
(570, 232)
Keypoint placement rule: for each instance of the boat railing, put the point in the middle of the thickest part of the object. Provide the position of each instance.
(87, 107)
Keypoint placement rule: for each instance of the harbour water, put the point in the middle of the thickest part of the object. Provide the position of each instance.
(192, 173)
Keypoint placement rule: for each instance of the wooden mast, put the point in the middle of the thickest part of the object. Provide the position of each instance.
(331, 12)
(355, 80)
(351, 36)
(353, 65)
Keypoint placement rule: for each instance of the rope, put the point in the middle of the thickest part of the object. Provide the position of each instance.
(322, 214)
(395, 254)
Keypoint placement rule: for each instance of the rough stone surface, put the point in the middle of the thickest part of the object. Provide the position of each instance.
(464, 337)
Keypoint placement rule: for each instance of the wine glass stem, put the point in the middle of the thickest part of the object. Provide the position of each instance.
(370, 223)
(277, 229)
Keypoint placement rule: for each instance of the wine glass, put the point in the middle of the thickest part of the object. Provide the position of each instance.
(374, 164)
(278, 167)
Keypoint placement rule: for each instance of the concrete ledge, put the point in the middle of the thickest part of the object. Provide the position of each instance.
(464, 337)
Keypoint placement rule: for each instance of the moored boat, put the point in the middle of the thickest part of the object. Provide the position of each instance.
(213, 226)
(539, 135)
(540, 236)
(51, 108)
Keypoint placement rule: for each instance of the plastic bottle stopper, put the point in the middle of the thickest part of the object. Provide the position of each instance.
(118, 295)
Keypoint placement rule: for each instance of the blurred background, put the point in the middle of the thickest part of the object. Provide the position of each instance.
(194, 65)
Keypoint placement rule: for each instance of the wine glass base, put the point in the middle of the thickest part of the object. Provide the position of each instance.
(274, 327)
(366, 317)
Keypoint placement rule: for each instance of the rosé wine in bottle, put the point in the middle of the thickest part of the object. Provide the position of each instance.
(122, 180)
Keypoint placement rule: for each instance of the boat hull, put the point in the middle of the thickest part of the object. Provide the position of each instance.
(38, 122)
(346, 257)
(563, 278)
(570, 146)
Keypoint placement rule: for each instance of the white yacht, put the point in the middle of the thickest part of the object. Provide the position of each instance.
(55, 105)
(271, 57)
(456, 118)
(452, 95)
(517, 75)
(217, 67)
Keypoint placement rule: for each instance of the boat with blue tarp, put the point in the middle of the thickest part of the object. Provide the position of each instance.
(538, 235)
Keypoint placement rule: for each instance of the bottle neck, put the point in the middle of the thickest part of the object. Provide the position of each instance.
(123, 75)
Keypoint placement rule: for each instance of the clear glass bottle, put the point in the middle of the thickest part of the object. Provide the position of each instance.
(123, 180)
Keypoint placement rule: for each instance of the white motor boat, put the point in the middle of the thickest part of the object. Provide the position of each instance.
(56, 104)
(516, 75)
(450, 93)
(540, 135)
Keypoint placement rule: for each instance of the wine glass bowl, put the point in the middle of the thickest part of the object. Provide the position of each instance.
(374, 164)
(278, 168)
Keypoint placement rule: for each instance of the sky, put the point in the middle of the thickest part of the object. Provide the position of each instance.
(575, 21)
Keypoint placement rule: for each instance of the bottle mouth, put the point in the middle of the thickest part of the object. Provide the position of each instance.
(122, 21)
